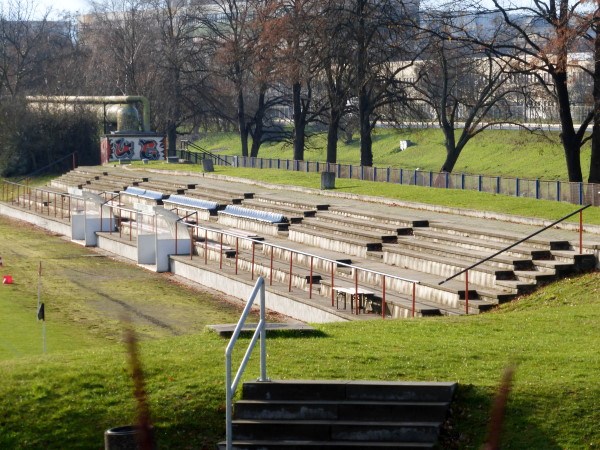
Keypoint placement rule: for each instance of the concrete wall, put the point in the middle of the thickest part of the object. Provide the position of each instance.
(296, 308)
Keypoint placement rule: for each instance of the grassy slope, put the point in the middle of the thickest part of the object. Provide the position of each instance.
(552, 337)
(495, 152)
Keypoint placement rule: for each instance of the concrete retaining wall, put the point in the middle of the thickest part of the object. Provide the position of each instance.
(222, 282)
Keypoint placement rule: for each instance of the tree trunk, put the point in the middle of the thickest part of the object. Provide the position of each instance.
(335, 116)
(299, 123)
(259, 125)
(594, 176)
(364, 118)
(242, 128)
(571, 143)
(452, 152)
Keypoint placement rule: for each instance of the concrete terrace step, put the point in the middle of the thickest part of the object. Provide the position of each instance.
(362, 224)
(505, 237)
(278, 200)
(398, 217)
(519, 252)
(338, 229)
(348, 244)
(213, 195)
(295, 215)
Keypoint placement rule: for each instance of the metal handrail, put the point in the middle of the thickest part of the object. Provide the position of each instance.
(514, 245)
(231, 386)
(203, 151)
(472, 266)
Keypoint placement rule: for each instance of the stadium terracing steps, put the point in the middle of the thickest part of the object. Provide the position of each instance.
(391, 243)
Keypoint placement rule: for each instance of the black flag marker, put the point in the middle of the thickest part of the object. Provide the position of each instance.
(41, 315)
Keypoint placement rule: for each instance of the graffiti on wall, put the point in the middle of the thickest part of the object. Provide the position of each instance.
(116, 148)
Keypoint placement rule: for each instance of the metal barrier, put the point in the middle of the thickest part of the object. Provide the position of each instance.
(260, 332)
(554, 190)
(472, 266)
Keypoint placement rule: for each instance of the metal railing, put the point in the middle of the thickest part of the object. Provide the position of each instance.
(554, 190)
(198, 153)
(520, 241)
(260, 332)
(202, 232)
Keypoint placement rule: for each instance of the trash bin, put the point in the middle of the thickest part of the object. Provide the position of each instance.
(121, 438)
(125, 438)
(207, 165)
(327, 180)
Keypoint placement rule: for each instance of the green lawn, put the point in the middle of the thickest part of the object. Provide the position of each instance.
(67, 398)
(509, 153)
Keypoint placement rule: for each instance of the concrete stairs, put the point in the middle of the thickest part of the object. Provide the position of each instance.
(340, 414)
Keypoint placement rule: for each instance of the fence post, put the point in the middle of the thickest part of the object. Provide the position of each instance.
(558, 190)
(416, 177)
(401, 176)
(581, 193)
(467, 292)
(351, 171)
(462, 181)
(479, 183)
(517, 187)
(537, 189)
(374, 173)
(447, 180)
(498, 185)
(387, 175)
(430, 178)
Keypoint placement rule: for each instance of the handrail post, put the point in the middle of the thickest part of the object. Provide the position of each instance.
(414, 296)
(237, 246)
(467, 292)
(356, 290)
(311, 278)
(291, 263)
(253, 253)
(383, 300)
(332, 285)
(580, 232)
(205, 246)
(221, 253)
(271, 268)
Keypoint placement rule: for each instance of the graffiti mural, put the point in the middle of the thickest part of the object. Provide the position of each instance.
(132, 147)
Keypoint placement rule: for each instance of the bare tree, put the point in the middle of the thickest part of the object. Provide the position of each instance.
(380, 38)
(544, 34)
(464, 85)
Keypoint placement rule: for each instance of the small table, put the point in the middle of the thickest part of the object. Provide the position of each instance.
(344, 293)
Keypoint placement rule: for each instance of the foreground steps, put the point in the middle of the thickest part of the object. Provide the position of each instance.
(340, 414)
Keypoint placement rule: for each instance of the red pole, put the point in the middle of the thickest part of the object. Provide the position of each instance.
(236, 253)
(271, 269)
(192, 244)
(221, 255)
(253, 252)
(383, 300)
(414, 295)
(467, 292)
(356, 290)
(332, 293)
(311, 277)
(290, 285)
(580, 232)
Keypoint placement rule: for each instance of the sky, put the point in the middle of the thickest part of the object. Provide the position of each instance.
(56, 5)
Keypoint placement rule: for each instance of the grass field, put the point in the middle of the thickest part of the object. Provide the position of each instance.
(509, 153)
(67, 398)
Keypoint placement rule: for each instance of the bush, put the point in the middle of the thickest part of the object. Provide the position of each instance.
(36, 140)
